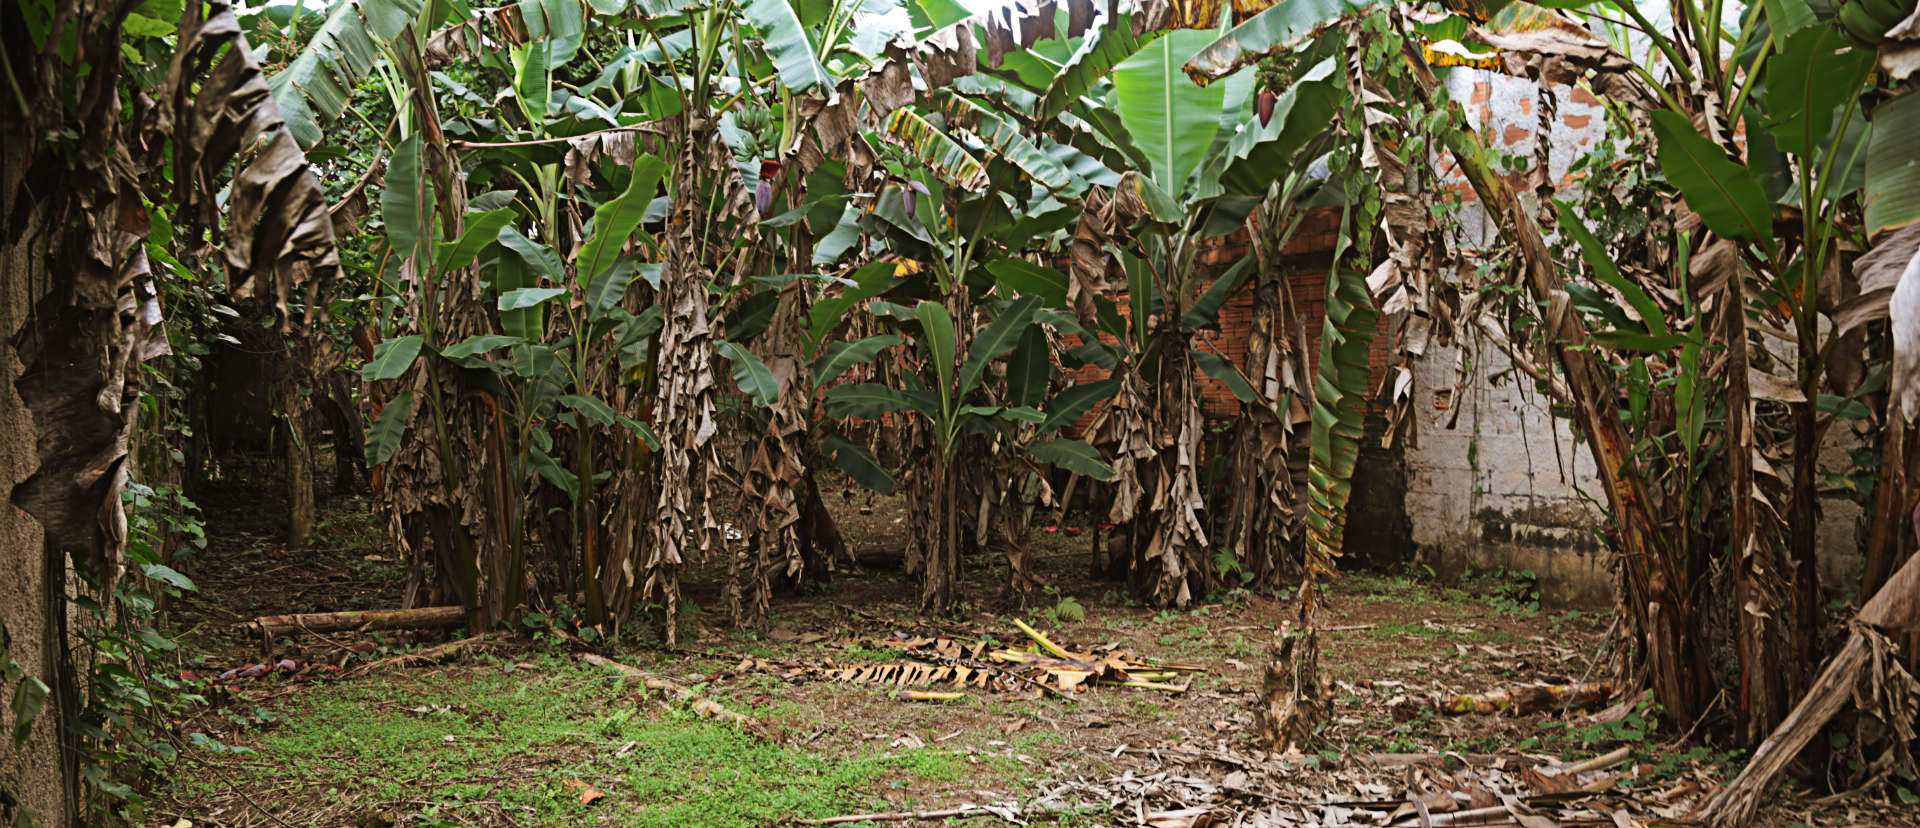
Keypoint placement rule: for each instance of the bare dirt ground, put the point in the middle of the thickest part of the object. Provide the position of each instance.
(516, 730)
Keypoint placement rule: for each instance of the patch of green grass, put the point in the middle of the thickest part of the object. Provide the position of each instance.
(444, 745)
(1395, 629)
(1240, 646)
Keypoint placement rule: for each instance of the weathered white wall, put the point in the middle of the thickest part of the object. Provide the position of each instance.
(1493, 481)
(1509, 112)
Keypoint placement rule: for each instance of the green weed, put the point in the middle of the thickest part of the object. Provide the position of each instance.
(448, 744)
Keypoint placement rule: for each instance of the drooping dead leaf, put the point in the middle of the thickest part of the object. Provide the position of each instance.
(1512, 700)
(928, 695)
(1897, 605)
(587, 794)
(1183, 818)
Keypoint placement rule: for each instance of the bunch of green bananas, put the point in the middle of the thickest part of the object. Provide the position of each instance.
(753, 121)
(1867, 21)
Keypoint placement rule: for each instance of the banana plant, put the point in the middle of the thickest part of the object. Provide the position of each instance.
(1203, 158)
(947, 402)
(1777, 215)
(553, 341)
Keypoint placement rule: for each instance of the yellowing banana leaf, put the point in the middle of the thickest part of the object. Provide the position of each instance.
(928, 695)
(1009, 141)
(950, 161)
(1280, 28)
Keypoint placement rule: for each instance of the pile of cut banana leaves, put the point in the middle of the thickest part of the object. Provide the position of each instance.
(1038, 668)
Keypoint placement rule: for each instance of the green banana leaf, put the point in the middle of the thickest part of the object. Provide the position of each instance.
(391, 358)
(1727, 197)
(555, 28)
(826, 314)
(843, 355)
(750, 373)
(1340, 385)
(615, 221)
(1029, 369)
(1786, 18)
(858, 463)
(1815, 68)
(997, 338)
(1260, 153)
(383, 438)
(1893, 165)
(789, 47)
(1222, 369)
(1025, 278)
(319, 81)
(936, 333)
(1170, 118)
(1074, 401)
(1601, 260)
(403, 207)
(482, 229)
(1096, 58)
(1073, 455)
(1207, 307)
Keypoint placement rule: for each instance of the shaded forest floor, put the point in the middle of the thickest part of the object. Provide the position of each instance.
(518, 731)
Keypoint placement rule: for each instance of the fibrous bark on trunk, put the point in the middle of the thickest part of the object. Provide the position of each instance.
(292, 407)
(1292, 705)
(1866, 672)
(1264, 520)
(1758, 579)
(1174, 559)
(683, 526)
(775, 480)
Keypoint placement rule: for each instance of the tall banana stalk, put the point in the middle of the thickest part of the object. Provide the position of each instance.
(1291, 706)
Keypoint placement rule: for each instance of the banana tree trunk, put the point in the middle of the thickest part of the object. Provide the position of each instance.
(683, 527)
(289, 381)
(1263, 518)
(937, 486)
(775, 472)
(1173, 562)
(942, 557)
(1890, 542)
(1291, 705)
(1758, 593)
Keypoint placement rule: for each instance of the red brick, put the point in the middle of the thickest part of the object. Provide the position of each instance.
(1582, 96)
(1515, 135)
(1576, 121)
(1315, 236)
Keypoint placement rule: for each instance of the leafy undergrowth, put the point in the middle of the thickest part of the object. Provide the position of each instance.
(517, 732)
(539, 741)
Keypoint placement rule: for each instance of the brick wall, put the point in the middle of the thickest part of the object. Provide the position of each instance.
(1306, 258)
